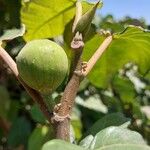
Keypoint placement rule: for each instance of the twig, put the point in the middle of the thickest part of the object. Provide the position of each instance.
(9, 61)
(78, 14)
(37, 98)
(33, 93)
(97, 55)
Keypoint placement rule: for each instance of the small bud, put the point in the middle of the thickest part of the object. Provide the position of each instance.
(84, 23)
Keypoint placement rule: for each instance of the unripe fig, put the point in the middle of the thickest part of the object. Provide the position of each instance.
(43, 65)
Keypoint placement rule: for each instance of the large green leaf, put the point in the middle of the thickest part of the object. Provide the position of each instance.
(39, 136)
(124, 147)
(116, 135)
(47, 18)
(114, 119)
(60, 145)
(132, 45)
(115, 138)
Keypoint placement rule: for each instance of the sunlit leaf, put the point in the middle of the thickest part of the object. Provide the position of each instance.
(116, 135)
(47, 18)
(124, 147)
(114, 119)
(132, 45)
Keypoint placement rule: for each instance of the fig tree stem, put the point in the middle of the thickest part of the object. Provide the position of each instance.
(68, 98)
(34, 94)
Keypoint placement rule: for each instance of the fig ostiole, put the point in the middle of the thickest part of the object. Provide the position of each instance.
(43, 65)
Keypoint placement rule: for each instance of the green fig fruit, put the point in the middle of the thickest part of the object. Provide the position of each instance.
(43, 65)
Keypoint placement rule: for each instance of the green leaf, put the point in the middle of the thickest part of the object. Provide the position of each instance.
(116, 135)
(47, 18)
(114, 119)
(19, 132)
(86, 142)
(60, 145)
(124, 88)
(112, 102)
(39, 136)
(124, 147)
(132, 45)
(12, 33)
(127, 95)
(37, 115)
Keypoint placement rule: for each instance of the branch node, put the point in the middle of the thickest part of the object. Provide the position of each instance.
(58, 118)
(77, 42)
(80, 73)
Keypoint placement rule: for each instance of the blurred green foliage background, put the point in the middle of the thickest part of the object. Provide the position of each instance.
(127, 92)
